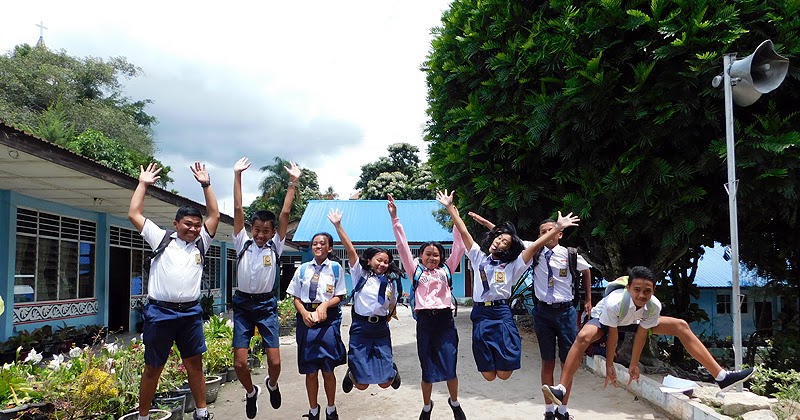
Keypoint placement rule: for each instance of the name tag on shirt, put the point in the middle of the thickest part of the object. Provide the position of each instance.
(562, 272)
(499, 277)
(197, 259)
(267, 260)
(329, 289)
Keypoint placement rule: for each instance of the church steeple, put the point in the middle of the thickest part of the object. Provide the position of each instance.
(40, 42)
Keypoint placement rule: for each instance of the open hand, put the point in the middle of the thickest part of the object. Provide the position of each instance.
(391, 206)
(294, 171)
(335, 216)
(200, 173)
(567, 221)
(445, 198)
(241, 165)
(150, 175)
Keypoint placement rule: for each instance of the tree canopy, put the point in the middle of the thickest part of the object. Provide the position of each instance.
(400, 174)
(274, 186)
(605, 108)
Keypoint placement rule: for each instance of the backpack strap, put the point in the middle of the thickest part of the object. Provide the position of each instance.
(247, 244)
(625, 305)
(165, 240)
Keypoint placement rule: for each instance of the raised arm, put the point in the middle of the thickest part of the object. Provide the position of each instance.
(481, 220)
(238, 210)
(400, 238)
(562, 223)
(283, 220)
(212, 218)
(147, 177)
(447, 201)
(335, 216)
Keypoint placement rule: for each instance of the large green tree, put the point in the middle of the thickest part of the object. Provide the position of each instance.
(274, 186)
(604, 108)
(400, 174)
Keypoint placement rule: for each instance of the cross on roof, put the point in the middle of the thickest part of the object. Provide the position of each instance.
(41, 28)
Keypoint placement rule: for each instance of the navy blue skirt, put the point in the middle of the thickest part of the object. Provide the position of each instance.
(496, 344)
(320, 347)
(370, 355)
(437, 345)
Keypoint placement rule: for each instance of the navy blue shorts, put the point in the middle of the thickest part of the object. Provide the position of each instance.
(249, 314)
(164, 326)
(496, 343)
(555, 326)
(437, 345)
(320, 347)
(370, 355)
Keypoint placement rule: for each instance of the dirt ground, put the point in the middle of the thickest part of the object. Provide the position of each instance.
(517, 398)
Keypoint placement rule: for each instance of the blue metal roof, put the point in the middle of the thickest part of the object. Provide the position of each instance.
(367, 221)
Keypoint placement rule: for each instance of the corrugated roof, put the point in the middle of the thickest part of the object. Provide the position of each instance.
(367, 221)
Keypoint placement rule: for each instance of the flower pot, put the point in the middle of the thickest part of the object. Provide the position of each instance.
(173, 403)
(253, 362)
(229, 374)
(212, 388)
(189, 405)
(285, 330)
(37, 411)
(154, 415)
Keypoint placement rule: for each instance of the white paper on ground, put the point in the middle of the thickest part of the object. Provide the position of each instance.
(673, 384)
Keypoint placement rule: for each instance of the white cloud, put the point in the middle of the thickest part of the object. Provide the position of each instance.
(326, 84)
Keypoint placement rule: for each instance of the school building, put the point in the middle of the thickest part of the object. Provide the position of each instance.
(68, 254)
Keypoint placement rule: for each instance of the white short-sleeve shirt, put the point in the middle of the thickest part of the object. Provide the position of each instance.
(258, 266)
(175, 275)
(328, 284)
(501, 277)
(608, 311)
(365, 302)
(559, 266)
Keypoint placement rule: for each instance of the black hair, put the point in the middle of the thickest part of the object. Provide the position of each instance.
(513, 251)
(265, 216)
(435, 244)
(548, 220)
(331, 255)
(188, 211)
(641, 272)
(392, 272)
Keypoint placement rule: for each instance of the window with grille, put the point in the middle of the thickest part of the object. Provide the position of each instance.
(140, 250)
(211, 268)
(55, 257)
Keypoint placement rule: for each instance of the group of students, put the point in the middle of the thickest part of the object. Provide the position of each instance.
(318, 287)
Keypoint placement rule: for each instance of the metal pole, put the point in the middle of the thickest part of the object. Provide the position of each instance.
(732, 189)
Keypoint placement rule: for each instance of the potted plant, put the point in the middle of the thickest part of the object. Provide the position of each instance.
(155, 414)
(287, 315)
(207, 304)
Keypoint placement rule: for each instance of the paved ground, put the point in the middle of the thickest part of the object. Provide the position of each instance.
(517, 398)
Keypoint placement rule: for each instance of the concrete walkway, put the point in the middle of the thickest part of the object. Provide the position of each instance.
(517, 398)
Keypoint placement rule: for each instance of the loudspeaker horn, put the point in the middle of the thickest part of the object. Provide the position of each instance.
(758, 73)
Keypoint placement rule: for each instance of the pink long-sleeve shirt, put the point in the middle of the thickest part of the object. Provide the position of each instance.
(433, 291)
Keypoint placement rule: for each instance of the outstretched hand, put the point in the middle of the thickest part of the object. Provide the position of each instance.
(391, 206)
(294, 171)
(633, 372)
(150, 175)
(481, 220)
(241, 165)
(567, 221)
(445, 198)
(611, 377)
(335, 216)
(200, 173)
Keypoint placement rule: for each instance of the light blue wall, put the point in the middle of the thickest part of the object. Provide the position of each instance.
(7, 260)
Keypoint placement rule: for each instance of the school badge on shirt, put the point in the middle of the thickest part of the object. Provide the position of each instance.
(562, 272)
(329, 289)
(499, 277)
(267, 260)
(197, 259)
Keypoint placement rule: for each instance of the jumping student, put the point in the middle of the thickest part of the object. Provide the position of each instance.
(375, 291)
(318, 287)
(496, 343)
(437, 338)
(255, 303)
(634, 307)
(173, 314)
(555, 316)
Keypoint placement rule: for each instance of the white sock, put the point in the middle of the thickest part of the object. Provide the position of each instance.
(427, 408)
(271, 388)
(549, 408)
(147, 417)
(253, 394)
(453, 403)
(330, 409)
(562, 388)
(314, 411)
(201, 412)
(562, 409)
(721, 375)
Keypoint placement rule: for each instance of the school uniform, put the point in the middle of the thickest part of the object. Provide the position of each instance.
(554, 316)
(437, 337)
(496, 343)
(370, 355)
(319, 347)
(610, 312)
(255, 303)
(172, 313)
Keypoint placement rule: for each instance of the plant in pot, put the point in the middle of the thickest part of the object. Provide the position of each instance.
(207, 304)
(20, 385)
(287, 315)
(172, 378)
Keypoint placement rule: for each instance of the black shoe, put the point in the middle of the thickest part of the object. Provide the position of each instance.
(347, 382)
(426, 415)
(313, 416)
(564, 416)
(251, 406)
(208, 416)
(556, 395)
(274, 396)
(549, 416)
(734, 377)
(332, 416)
(458, 413)
(396, 380)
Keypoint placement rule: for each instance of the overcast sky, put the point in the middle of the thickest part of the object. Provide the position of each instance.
(327, 84)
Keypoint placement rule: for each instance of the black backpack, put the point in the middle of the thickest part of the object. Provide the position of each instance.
(572, 264)
(165, 240)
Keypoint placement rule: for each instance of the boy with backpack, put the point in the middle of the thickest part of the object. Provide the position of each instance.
(633, 308)
(173, 313)
(255, 303)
